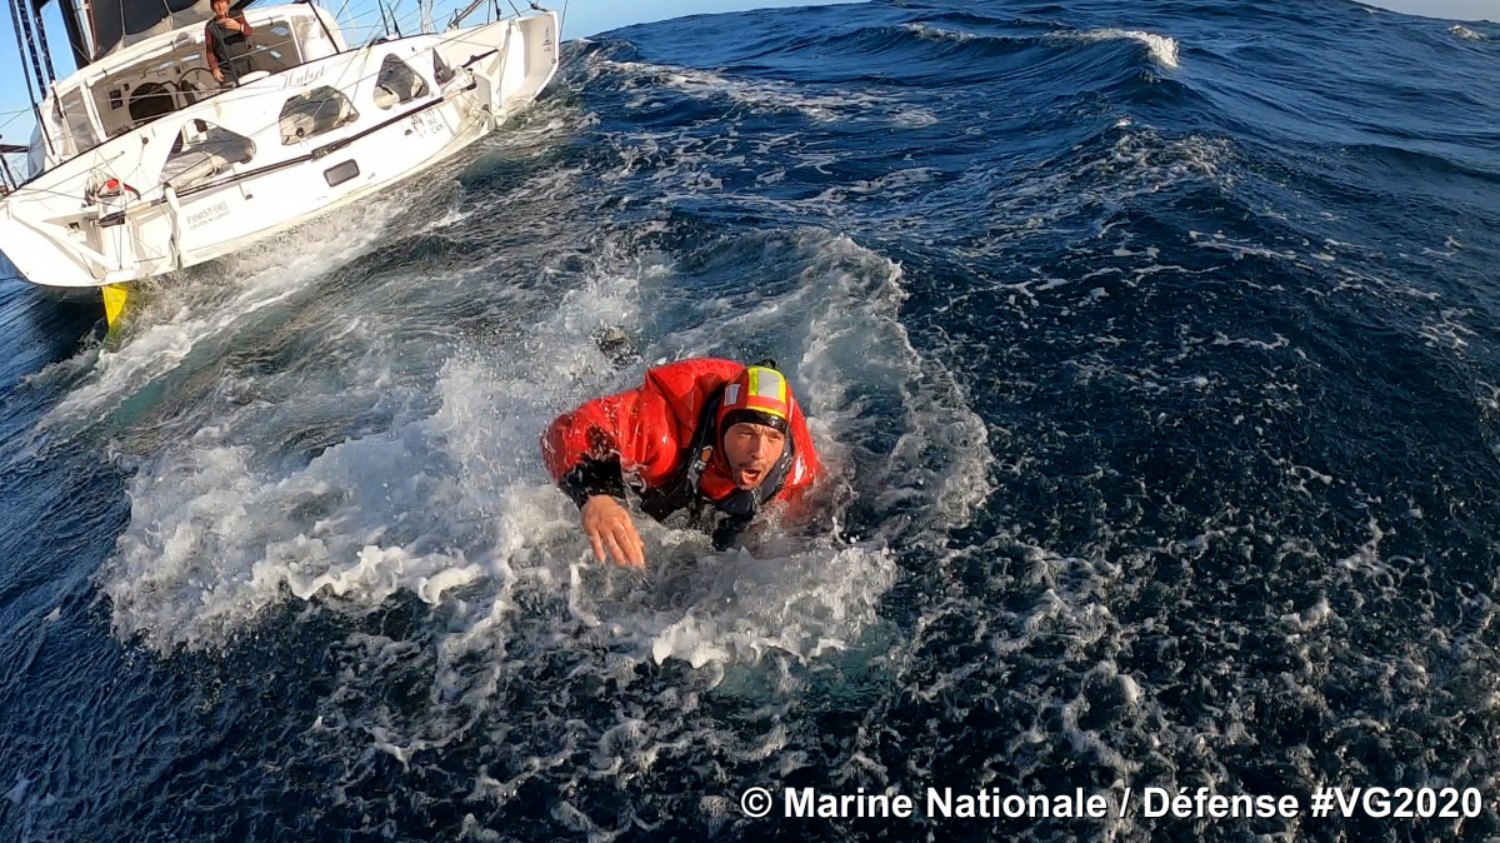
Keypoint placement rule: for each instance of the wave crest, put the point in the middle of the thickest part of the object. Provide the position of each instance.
(1163, 48)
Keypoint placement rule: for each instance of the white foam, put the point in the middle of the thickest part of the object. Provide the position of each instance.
(209, 306)
(806, 603)
(1139, 163)
(453, 500)
(1467, 34)
(886, 188)
(1448, 330)
(376, 452)
(1163, 48)
(649, 82)
(933, 33)
(1313, 617)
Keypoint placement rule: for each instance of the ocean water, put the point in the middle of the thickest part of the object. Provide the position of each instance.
(1154, 348)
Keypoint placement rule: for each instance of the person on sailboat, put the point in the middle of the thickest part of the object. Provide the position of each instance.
(697, 432)
(226, 45)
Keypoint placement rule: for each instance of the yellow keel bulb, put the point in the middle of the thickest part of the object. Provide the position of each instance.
(114, 303)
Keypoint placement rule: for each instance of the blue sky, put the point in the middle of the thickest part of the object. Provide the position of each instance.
(584, 17)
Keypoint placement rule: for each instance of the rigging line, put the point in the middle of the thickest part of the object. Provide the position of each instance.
(356, 20)
(58, 194)
(120, 42)
(459, 15)
(84, 176)
(394, 22)
(339, 81)
(7, 178)
(444, 40)
(323, 25)
(13, 118)
(83, 50)
(407, 20)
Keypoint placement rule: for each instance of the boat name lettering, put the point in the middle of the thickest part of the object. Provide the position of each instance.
(212, 212)
(302, 76)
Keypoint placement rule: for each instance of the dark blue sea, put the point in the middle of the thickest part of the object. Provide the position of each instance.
(1154, 349)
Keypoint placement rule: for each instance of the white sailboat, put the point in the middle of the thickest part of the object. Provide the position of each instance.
(143, 164)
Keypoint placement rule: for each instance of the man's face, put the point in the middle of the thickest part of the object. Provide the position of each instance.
(221, 8)
(751, 450)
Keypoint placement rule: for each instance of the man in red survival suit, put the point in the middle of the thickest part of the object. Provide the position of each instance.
(697, 432)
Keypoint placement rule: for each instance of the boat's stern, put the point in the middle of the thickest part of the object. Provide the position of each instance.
(511, 60)
(43, 252)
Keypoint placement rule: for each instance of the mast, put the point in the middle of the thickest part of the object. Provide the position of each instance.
(31, 88)
(41, 37)
(21, 16)
(72, 12)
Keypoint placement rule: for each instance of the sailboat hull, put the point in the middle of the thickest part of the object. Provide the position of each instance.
(242, 166)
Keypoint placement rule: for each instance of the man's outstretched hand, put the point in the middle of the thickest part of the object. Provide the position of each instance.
(608, 525)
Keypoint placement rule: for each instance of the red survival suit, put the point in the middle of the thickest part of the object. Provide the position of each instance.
(663, 439)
